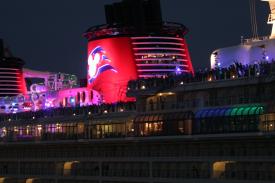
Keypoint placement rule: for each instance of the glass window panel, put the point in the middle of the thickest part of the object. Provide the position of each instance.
(246, 111)
(204, 113)
(228, 112)
(240, 111)
(151, 118)
(182, 116)
(146, 118)
(234, 111)
(138, 119)
(198, 114)
(216, 112)
(222, 112)
(105, 129)
(252, 111)
(160, 117)
(156, 116)
(210, 113)
(260, 110)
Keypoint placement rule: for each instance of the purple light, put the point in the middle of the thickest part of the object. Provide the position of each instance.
(266, 57)
(47, 104)
(178, 70)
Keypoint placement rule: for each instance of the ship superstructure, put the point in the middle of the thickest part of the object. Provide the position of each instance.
(215, 125)
(193, 129)
(123, 49)
(250, 51)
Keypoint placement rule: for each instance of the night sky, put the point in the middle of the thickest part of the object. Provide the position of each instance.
(47, 34)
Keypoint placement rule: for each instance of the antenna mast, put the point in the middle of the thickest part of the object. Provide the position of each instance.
(253, 19)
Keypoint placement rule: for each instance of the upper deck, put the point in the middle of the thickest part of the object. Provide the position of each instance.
(223, 101)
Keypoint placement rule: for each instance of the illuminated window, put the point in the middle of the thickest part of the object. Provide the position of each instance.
(39, 130)
(3, 132)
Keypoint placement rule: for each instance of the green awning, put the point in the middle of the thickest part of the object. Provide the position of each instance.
(230, 111)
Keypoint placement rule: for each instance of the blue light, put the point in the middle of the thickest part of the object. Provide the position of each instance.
(72, 100)
(178, 70)
(266, 57)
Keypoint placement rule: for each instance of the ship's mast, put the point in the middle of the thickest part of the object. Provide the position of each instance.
(271, 17)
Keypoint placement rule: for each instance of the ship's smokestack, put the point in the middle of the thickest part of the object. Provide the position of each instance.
(12, 82)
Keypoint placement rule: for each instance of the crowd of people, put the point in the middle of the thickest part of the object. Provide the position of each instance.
(70, 111)
(234, 71)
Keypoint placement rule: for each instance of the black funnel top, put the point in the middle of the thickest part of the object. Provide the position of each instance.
(143, 15)
(2, 50)
(6, 57)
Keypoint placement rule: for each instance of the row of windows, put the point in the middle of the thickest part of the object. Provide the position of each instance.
(182, 170)
(156, 44)
(217, 149)
(119, 169)
(226, 124)
(160, 128)
(164, 104)
(248, 171)
(171, 124)
(40, 180)
(187, 170)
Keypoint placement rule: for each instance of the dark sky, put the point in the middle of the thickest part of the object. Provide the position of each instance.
(47, 34)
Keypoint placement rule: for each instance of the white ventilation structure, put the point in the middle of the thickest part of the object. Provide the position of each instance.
(271, 17)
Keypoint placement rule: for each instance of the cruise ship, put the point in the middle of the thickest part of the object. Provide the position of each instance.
(143, 115)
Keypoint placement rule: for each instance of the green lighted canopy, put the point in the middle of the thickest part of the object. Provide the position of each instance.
(230, 111)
